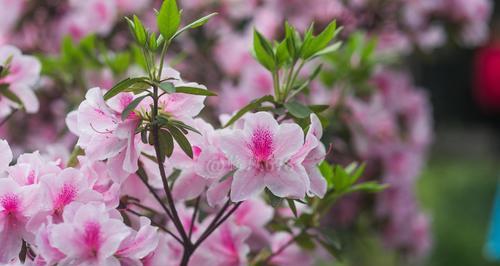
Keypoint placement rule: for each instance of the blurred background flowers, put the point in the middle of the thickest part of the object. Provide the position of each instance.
(414, 92)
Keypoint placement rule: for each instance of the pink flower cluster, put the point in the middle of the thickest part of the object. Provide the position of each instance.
(393, 127)
(19, 74)
(262, 152)
(81, 216)
(97, 16)
(70, 216)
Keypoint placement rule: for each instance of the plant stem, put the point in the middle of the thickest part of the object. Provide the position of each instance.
(217, 221)
(162, 57)
(289, 79)
(170, 200)
(193, 218)
(283, 247)
(153, 192)
(276, 85)
(8, 117)
(294, 77)
(163, 228)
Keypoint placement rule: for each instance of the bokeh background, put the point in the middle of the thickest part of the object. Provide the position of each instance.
(457, 186)
(459, 182)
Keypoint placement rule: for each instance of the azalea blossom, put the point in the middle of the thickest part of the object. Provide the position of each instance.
(261, 152)
(19, 74)
(104, 135)
(17, 205)
(225, 247)
(88, 235)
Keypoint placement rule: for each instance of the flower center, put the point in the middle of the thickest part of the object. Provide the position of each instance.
(92, 237)
(66, 195)
(261, 145)
(10, 203)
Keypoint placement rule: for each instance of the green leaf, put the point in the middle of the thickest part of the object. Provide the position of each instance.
(263, 51)
(166, 142)
(181, 125)
(194, 91)
(138, 87)
(318, 108)
(282, 53)
(122, 86)
(328, 50)
(369, 49)
(292, 42)
(139, 31)
(312, 45)
(118, 62)
(167, 87)
(293, 208)
(251, 106)
(330, 242)
(131, 106)
(5, 91)
(274, 200)
(195, 24)
(144, 136)
(181, 140)
(341, 179)
(131, 25)
(305, 241)
(327, 172)
(169, 19)
(371, 187)
(153, 43)
(297, 109)
(358, 173)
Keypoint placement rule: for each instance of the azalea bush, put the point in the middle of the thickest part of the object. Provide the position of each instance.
(309, 139)
(148, 183)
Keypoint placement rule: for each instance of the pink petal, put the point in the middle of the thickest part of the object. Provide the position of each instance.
(288, 141)
(5, 155)
(188, 186)
(288, 182)
(218, 192)
(246, 184)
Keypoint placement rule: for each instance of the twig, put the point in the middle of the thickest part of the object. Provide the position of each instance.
(8, 117)
(193, 218)
(282, 248)
(163, 228)
(166, 188)
(143, 178)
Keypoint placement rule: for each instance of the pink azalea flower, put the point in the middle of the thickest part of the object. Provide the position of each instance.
(23, 73)
(208, 165)
(131, 6)
(232, 53)
(310, 155)
(5, 155)
(86, 17)
(47, 254)
(255, 82)
(9, 16)
(138, 244)
(292, 255)
(104, 135)
(31, 167)
(225, 247)
(98, 178)
(168, 253)
(17, 205)
(261, 152)
(180, 105)
(255, 214)
(68, 186)
(89, 236)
